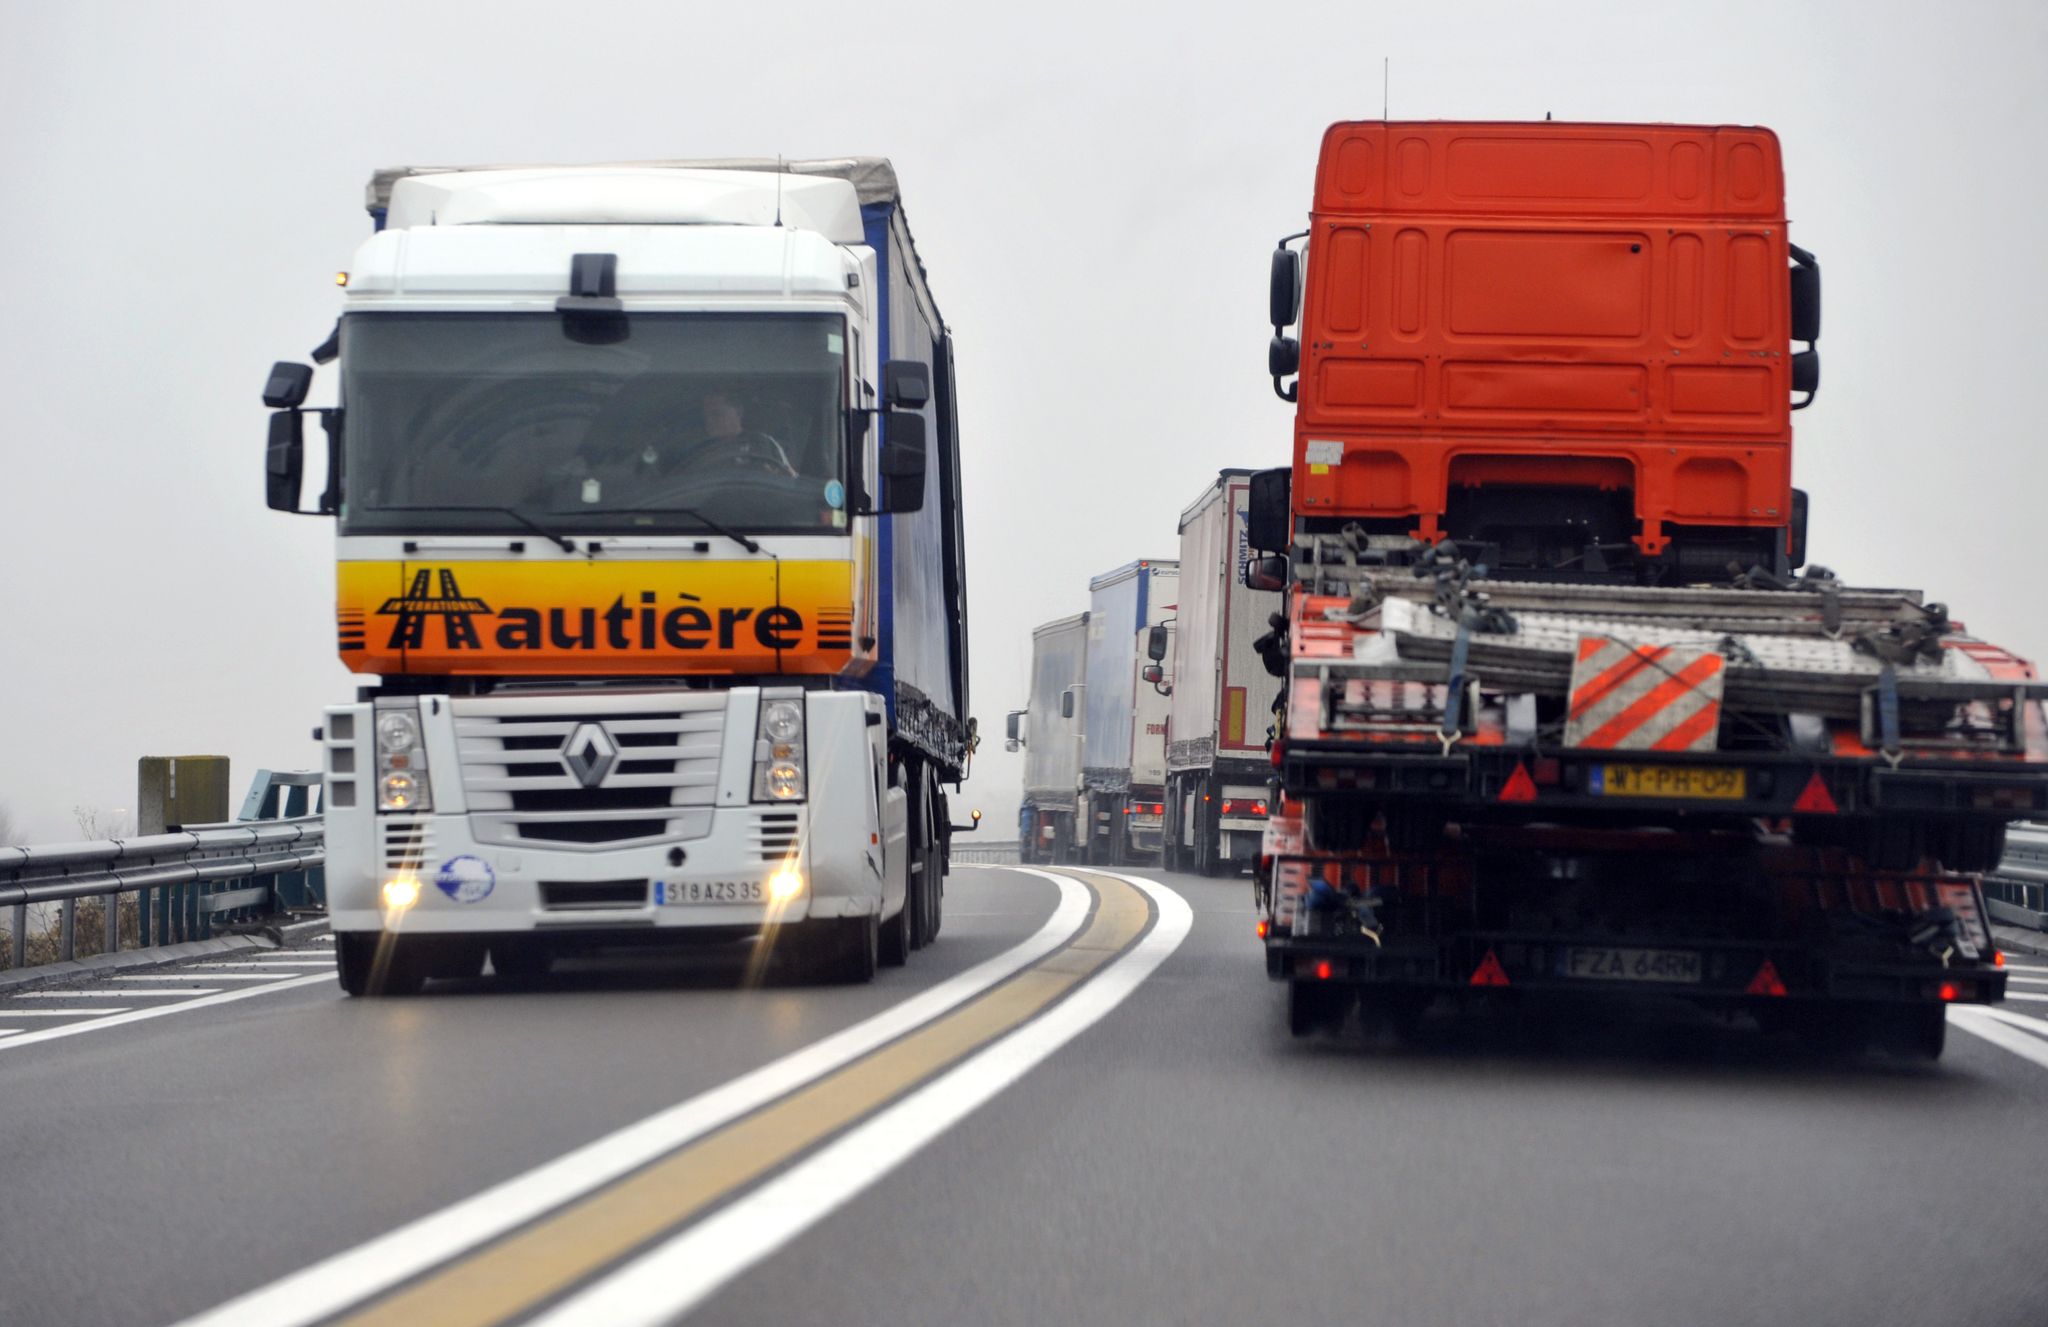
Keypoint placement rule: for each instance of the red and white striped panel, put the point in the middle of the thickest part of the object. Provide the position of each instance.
(1628, 697)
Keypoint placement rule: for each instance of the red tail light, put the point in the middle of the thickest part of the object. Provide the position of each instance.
(1262, 929)
(1948, 991)
(1158, 808)
(1323, 970)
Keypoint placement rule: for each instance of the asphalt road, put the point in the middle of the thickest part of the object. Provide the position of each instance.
(1080, 1106)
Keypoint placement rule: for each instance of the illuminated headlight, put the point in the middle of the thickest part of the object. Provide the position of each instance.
(401, 893)
(785, 885)
(398, 791)
(785, 781)
(779, 768)
(401, 758)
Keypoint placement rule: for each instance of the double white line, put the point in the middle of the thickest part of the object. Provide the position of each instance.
(680, 1272)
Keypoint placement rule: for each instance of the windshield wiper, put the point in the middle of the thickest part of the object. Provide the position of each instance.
(709, 524)
(566, 544)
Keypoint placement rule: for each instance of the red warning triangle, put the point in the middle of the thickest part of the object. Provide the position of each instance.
(1519, 788)
(1765, 982)
(1489, 972)
(1815, 799)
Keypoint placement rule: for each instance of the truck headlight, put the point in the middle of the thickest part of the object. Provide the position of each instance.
(398, 791)
(779, 768)
(401, 758)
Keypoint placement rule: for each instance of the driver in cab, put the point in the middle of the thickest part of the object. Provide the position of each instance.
(726, 441)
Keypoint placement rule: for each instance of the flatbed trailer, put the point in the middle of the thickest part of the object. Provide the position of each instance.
(1560, 709)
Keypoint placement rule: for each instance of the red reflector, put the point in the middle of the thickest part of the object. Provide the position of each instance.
(1948, 990)
(1519, 788)
(1262, 928)
(1997, 958)
(1765, 982)
(1323, 970)
(1158, 808)
(1815, 799)
(1490, 972)
(1258, 808)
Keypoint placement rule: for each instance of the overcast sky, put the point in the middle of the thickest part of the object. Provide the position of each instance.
(1094, 194)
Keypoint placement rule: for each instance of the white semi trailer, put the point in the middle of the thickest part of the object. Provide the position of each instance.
(1222, 703)
(1123, 761)
(1048, 730)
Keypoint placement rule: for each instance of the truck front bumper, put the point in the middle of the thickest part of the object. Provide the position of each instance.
(717, 882)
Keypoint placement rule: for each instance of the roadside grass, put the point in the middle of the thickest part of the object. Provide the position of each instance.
(45, 932)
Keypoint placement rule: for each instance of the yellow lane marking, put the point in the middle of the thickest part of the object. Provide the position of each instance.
(511, 1277)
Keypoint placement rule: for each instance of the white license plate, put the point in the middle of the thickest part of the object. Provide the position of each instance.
(1604, 964)
(682, 893)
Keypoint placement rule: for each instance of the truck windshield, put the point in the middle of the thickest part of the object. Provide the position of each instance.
(649, 423)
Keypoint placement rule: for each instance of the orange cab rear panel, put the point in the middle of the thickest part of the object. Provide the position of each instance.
(1595, 306)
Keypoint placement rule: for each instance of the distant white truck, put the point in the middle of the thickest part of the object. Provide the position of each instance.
(647, 490)
(1048, 730)
(1123, 762)
(1222, 696)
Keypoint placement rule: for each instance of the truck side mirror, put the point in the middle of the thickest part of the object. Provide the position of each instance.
(906, 384)
(1269, 515)
(1284, 296)
(1266, 573)
(284, 459)
(287, 385)
(1067, 704)
(1805, 376)
(1013, 730)
(902, 462)
(1805, 296)
(1155, 643)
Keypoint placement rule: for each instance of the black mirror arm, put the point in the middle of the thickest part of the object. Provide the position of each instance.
(1290, 393)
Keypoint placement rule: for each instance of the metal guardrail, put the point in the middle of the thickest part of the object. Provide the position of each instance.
(2017, 892)
(984, 853)
(186, 879)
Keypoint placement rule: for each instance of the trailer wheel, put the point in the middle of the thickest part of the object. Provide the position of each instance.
(1317, 1006)
(375, 964)
(1917, 1031)
(897, 938)
(835, 951)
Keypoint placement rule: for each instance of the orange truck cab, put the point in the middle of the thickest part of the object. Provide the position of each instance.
(1568, 347)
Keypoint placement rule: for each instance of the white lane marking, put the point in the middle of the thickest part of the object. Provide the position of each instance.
(2034, 1025)
(295, 961)
(2023, 995)
(2023, 967)
(680, 1274)
(1979, 1023)
(73, 1012)
(9, 1032)
(208, 999)
(127, 993)
(2029, 981)
(210, 976)
(353, 1275)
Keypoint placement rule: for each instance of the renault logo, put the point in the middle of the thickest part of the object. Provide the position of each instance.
(589, 753)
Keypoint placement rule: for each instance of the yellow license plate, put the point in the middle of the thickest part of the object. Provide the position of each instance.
(1729, 785)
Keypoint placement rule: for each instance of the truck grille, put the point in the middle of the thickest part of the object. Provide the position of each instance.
(405, 844)
(581, 895)
(656, 781)
(775, 835)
